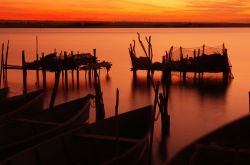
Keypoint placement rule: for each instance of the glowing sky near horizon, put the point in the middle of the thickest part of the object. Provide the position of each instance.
(127, 10)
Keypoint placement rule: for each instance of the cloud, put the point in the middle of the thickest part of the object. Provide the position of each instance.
(141, 10)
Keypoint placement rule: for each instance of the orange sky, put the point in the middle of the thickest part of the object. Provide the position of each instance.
(127, 10)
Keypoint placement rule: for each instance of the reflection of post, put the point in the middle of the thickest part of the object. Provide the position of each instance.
(53, 97)
(24, 74)
(66, 71)
(44, 72)
(77, 77)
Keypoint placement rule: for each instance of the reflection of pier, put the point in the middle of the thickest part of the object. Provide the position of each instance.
(198, 60)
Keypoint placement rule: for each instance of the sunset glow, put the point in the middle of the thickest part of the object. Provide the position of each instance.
(127, 10)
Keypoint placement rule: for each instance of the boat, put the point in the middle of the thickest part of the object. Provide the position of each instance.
(227, 145)
(3, 92)
(123, 139)
(24, 104)
(25, 131)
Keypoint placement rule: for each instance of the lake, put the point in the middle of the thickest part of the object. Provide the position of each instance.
(195, 110)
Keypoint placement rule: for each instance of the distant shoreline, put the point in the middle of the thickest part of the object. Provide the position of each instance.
(95, 24)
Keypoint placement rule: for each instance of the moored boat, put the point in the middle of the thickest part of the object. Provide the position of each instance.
(227, 145)
(24, 104)
(28, 130)
(97, 143)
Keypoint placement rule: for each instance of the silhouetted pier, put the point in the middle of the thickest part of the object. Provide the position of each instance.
(63, 63)
(198, 60)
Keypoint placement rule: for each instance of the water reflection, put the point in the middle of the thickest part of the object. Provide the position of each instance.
(208, 87)
(212, 88)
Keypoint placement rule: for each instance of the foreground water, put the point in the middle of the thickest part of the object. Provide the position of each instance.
(195, 110)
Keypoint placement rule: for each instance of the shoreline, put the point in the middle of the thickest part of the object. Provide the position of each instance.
(93, 24)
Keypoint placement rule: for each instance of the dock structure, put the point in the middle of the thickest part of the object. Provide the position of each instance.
(62, 62)
(197, 60)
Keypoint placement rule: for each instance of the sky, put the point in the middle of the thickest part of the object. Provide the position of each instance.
(127, 10)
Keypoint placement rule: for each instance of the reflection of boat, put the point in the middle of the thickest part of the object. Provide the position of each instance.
(96, 143)
(20, 105)
(28, 130)
(227, 145)
(3, 92)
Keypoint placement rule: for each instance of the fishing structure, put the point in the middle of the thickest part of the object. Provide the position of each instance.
(197, 60)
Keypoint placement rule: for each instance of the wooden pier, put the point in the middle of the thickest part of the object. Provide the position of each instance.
(53, 62)
(198, 60)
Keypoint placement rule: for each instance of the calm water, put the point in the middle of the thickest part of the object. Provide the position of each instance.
(194, 110)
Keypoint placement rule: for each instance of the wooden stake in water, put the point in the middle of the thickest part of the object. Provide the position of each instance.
(24, 73)
(53, 97)
(117, 123)
(44, 74)
(1, 64)
(37, 58)
(6, 60)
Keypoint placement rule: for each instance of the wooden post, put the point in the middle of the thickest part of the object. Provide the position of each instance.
(24, 73)
(117, 123)
(89, 76)
(37, 59)
(53, 97)
(195, 66)
(203, 50)
(66, 71)
(100, 111)
(6, 61)
(94, 52)
(2, 59)
(153, 122)
(181, 62)
(223, 48)
(44, 73)
(165, 118)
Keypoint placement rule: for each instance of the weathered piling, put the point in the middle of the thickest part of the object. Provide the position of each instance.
(6, 61)
(37, 59)
(100, 111)
(24, 73)
(66, 71)
(2, 59)
(53, 97)
(165, 118)
(44, 74)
